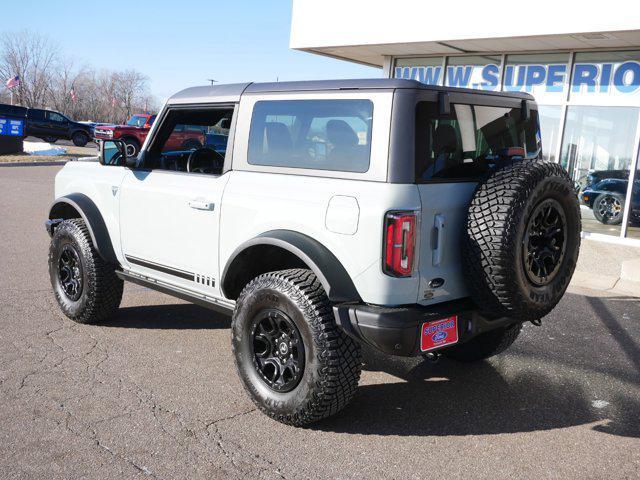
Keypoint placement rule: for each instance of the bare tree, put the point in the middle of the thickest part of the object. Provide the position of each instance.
(48, 80)
(131, 85)
(33, 57)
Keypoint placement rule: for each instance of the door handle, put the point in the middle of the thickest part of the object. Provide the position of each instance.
(438, 250)
(201, 204)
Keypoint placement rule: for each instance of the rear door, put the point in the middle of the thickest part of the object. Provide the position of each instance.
(37, 123)
(454, 151)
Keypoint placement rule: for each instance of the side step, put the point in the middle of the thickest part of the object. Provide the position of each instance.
(219, 305)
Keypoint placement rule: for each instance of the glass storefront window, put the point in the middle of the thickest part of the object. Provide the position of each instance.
(612, 78)
(597, 149)
(545, 76)
(633, 224)
(474, 71)
(549, 130)
(426, 70)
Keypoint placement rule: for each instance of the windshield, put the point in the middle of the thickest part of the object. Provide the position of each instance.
(471, 139)
(137, 121)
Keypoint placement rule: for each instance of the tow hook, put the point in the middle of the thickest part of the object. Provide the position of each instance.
(537, 322)
(431, 356)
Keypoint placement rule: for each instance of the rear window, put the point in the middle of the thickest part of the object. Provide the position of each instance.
(313, 134)
(471, 140)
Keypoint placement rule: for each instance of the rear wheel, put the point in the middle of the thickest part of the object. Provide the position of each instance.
(85, 286)
(80, 139)
(294, 362)
(608, 208)
(485, 345)
(50, 139)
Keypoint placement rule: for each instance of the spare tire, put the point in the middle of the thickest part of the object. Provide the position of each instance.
(522, 239)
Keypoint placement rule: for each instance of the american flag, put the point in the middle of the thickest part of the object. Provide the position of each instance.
(13, 82)
(73, 95)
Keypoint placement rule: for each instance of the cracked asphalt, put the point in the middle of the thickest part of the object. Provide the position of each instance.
(154, 393)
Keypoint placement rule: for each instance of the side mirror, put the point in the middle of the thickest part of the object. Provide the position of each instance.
(113, 152)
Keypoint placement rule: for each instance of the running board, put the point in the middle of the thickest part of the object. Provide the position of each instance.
(223, 306)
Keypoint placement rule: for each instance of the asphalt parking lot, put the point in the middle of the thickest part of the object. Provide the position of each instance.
(153, 393)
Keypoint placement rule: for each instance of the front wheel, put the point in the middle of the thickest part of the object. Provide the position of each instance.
(295, 364)
(85, 286)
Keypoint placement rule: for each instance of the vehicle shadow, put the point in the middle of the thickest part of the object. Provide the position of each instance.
(180, 316)
(450, 398)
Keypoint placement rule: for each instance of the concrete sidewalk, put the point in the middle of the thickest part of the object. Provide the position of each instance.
(608, 267)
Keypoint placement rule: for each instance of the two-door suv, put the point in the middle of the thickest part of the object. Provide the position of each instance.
(418, 220)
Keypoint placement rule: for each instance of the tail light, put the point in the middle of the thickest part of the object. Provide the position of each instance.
(399, 243)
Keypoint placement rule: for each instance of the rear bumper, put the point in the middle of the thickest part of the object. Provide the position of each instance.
(396, 330)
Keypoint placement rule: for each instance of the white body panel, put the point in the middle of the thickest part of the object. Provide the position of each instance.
(172, 219)
(255, 203)
(102, 185)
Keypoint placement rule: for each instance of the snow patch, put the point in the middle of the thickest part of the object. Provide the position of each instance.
(42, 148)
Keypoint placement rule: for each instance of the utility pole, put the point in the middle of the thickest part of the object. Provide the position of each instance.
(211, 80)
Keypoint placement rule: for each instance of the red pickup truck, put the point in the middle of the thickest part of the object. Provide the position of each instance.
(135, 131)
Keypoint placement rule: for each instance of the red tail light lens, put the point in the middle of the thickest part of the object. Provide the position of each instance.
(399, 243)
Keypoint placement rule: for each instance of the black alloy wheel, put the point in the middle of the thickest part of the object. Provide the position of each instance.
(544, 242)
(278, 350)
(70, 272)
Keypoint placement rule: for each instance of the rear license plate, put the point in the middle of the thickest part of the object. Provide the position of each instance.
(439, 333)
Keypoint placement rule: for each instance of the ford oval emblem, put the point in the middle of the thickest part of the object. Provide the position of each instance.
(439, 336)
(436, 282)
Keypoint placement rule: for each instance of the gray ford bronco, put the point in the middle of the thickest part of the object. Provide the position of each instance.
(415, 219)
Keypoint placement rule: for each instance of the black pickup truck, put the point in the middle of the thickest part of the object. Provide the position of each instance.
(50, 126)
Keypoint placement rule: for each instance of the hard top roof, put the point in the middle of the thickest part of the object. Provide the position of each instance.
(233, 91)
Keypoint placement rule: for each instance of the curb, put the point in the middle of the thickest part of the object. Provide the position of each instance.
(33, 164)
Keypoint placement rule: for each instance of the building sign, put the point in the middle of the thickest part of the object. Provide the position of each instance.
(11, 127)
(613, 79)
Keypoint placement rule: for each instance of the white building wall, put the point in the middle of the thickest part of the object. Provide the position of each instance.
(324, 23)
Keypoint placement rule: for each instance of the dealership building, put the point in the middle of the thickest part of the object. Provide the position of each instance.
(581, 61)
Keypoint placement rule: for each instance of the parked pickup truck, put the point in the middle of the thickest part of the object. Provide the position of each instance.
(415, 219)
(50, 126)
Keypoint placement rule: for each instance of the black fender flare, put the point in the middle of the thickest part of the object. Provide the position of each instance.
(331, 273)
(92, 218)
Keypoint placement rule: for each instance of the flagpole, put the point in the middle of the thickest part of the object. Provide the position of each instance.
(11, 90)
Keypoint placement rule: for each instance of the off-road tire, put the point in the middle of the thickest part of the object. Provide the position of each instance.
(484, 345)
(101, 288)
(616, 220)
(493, 242)
(80, 139)
(332, 359)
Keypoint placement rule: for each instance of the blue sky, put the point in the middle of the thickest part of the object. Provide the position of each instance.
(179, 43)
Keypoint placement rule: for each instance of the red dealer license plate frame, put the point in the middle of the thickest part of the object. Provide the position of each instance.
(439, 333)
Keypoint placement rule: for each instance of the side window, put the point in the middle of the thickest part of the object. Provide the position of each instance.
(186, 142)
(314, 134)
(471, 140)
(56, 117)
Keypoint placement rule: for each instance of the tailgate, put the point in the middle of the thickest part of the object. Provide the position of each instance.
(444, 214)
